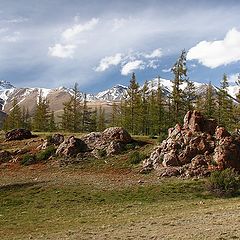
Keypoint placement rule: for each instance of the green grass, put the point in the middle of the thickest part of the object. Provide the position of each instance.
(44, 207)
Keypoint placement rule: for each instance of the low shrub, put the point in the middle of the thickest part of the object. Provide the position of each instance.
(45, 154)
(225, 183)
(28, 159)
(136, 157)
(130, 146)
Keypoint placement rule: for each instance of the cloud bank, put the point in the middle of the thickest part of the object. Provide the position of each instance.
(131, 61)
(217, 53)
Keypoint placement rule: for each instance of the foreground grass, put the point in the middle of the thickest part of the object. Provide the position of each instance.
(86, 209)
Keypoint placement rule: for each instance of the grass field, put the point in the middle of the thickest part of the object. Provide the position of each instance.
(109, 199)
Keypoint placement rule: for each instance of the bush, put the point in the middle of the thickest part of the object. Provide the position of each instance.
(136, 157)
(45, 154)
(28, 159)
(130, 146)
(224, 183)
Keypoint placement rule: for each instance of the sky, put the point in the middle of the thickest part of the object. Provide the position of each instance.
(99, 43)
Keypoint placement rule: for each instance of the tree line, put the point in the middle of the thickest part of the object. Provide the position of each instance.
(143, 111)
(76, 116)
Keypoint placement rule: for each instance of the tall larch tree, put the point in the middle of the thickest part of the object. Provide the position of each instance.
(72, 112)
(189, 96)
(132, 120)
(179, 70)
(209, 102)
(225, 104)
(14, 119)
(41, 114)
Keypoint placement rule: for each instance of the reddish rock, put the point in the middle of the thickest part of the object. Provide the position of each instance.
(227, 153)
(170, 159)
(221, 132)
(195, 147)
(196, 122)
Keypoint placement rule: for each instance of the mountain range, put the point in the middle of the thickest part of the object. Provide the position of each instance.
(28, 96)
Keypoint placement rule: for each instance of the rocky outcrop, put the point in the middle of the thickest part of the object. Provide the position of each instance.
(71, 147)
(195, 148)
(112, 140)
(96, 144)
(55, 140)
(18, 134)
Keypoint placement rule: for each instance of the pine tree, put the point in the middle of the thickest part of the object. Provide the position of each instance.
(101, 119)
(179, 70)
(88, 117)
(72, 112)
(13, 120)
(189, 95)
(132, 107)
(225, 104)
(115, 115)
(41, 114)
(144, 110)
(26, 119)
(209, 102)
(161, 113)
(52, 124)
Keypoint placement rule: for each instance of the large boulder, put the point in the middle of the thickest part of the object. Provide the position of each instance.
(196, 122)
(116, 134)
(195, 147)
(227, 153)
(111, 140)
(71, 147)
(18, 134)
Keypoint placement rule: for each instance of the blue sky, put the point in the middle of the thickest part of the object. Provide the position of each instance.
(50, 43)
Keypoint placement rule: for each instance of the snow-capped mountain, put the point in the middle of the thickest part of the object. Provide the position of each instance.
(28, 96)
(115, 93)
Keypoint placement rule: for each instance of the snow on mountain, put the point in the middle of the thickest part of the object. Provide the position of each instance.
(233, 90)
(115, 93)
(6, 90)
(28, 96)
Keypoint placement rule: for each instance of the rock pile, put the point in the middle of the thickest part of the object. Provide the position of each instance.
(111, 141)
(18, 134)
(195, 148)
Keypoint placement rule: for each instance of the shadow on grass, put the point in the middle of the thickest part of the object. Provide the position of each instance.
(19, 186)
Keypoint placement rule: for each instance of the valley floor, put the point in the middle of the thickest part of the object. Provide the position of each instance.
(48, 202)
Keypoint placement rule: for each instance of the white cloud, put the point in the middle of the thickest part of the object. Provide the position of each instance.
(130, 61)
(130, 66)
(61, 51)
(72, 32)
(106, 62)
(157, 53)
(216, 53)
